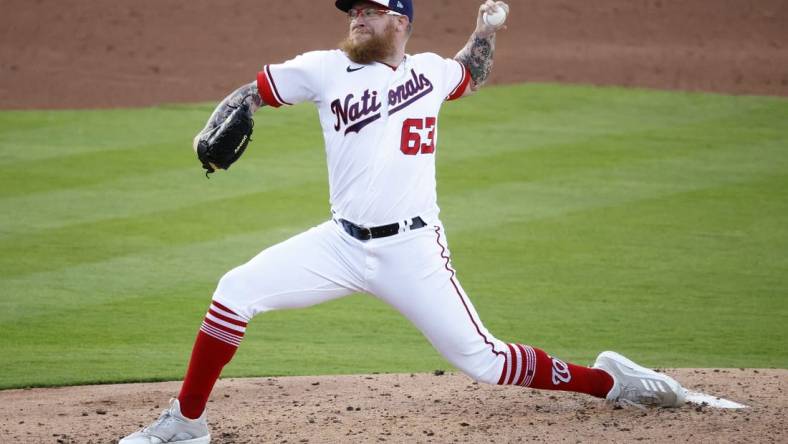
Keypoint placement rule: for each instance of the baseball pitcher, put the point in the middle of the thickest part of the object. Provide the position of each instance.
(379, 109)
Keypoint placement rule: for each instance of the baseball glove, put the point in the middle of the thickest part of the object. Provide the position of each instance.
(222, 146)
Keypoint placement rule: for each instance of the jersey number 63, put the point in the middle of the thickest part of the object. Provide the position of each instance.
(412, 131)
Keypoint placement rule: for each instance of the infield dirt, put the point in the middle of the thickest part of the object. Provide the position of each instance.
(403, 408)
(87, 54)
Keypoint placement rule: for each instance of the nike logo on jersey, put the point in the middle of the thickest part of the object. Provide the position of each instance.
(349, 69)
(359, 113)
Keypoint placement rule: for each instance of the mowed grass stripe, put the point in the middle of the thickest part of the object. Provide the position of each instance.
(196, 265)
(683, 260)
(108, 185)
(27, 136)
(579, 219)
(30, 136)
(125, 346)
(507, 199)
(86, 169)
(147, 193)
(578, 112)
(110, 166)
(95, 242)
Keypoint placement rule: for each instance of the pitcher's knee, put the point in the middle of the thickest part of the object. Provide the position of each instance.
(235, 291)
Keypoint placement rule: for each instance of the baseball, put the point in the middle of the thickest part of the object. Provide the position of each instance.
(496, 18)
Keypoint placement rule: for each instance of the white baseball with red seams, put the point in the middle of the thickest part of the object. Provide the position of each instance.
(496, 17)
(380, 126)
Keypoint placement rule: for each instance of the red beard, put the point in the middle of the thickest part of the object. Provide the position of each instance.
(376, 47)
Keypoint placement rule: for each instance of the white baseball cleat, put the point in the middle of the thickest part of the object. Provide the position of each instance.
(172, 427)
(633, 384)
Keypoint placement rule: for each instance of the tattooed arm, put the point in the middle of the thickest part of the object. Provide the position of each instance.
(477, 55)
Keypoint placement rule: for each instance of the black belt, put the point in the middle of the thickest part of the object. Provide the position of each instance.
(364, 233)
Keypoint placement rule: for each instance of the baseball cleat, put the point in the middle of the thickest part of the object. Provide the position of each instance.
(633, 384)
(172, 427)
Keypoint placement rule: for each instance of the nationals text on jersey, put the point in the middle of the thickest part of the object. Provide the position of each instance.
(399, 97)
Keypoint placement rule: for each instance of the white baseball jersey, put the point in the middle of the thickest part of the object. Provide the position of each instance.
(380, 126)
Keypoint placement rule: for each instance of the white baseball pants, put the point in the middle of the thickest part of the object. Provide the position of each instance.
(411, 271)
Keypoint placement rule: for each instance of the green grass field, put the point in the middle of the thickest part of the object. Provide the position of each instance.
(580, 219)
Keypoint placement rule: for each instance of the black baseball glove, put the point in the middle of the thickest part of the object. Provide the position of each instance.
(222, 146)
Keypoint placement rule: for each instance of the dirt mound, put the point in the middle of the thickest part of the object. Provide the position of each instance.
(403, 408)
(84, 53)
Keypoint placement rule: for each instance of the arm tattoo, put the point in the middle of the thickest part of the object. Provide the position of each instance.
(247, 93)
(477, 55)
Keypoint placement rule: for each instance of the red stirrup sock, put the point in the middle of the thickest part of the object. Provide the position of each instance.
(218, 339)
(530, 367)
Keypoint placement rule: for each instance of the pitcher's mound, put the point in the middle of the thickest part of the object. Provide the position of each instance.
(403, 408)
